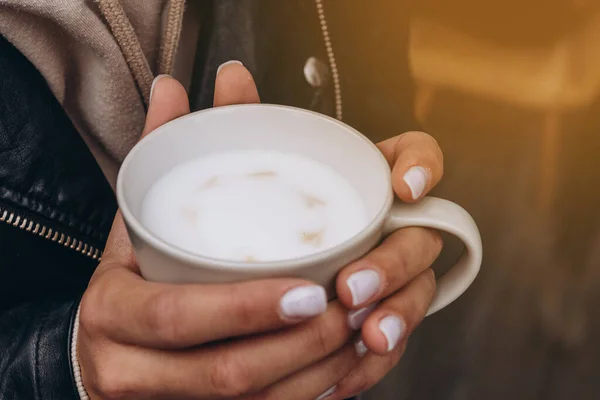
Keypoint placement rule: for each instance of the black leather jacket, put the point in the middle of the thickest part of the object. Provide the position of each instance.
(56, 207)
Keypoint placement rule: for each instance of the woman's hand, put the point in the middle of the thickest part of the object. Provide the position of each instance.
(140, 339)
(390, 289)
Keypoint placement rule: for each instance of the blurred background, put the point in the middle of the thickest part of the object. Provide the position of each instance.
(510, 89)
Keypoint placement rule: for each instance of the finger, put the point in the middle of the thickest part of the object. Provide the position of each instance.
(315, 382)
(370, 371)
(394, 319)
(251, 365)
(161, 315)
(234, 85)
(399, 259)
(417, 164)
(228, 370)
(168, 100)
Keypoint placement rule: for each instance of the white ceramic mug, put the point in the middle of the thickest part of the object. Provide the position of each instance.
(286, 129)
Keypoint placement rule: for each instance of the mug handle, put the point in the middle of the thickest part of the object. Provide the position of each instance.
(432, 212)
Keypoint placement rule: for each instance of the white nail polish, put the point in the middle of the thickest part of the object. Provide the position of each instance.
(329, 392)
(303, 302)
(356, 318)
(393, 329)
(158, 78)
(363, 285)
(361, 347)
(228, 63)
(416, 178)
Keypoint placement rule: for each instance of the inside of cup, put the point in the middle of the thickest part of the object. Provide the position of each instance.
(256, 127)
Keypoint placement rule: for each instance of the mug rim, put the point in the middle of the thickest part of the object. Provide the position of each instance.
(195, 260)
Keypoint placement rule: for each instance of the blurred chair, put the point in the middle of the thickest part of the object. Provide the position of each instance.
(552, 78)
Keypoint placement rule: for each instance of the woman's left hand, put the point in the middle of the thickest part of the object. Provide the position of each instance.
(390, 289)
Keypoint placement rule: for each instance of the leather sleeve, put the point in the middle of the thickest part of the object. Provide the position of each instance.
(47, 175)
(35, 352)
(40, 287)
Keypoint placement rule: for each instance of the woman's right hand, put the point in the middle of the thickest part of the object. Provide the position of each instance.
(270, 339)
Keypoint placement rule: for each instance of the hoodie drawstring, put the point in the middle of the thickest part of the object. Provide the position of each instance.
(170, 39)
(123, 31)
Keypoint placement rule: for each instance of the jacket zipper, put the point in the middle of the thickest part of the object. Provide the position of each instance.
(27, 224)
(335, 76)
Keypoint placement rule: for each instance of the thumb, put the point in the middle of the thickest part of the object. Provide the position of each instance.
(168, 100)
(234, 85)
(118, 250)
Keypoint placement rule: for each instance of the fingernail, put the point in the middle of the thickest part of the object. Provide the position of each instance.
(361, 347)
(228, 63)
(416, 178)
(392, 328)
(356, 318)
(363, 285)
(158, 78)
(304, 302)
(329, 392)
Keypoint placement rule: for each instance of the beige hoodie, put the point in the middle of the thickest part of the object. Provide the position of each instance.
(99, 58)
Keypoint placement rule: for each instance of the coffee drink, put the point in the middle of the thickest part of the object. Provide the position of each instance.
(253, 205)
